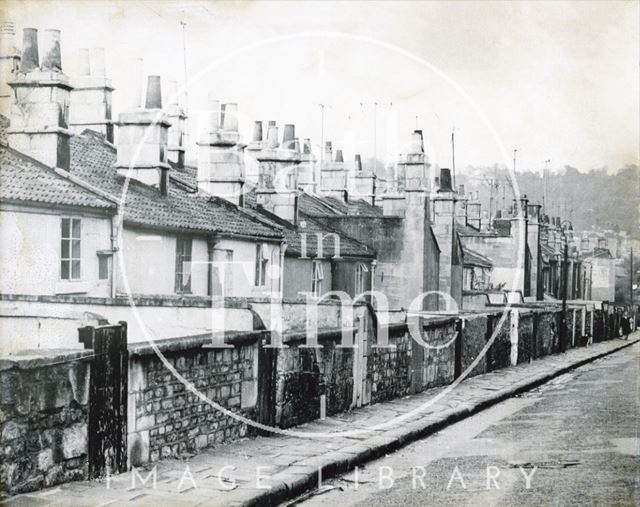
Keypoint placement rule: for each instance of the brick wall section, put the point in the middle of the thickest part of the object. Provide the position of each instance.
(473, 339)
(548, 337)
(389, 369)
(43, 417)
(526, 337)
(168, 420)
(499, 354)
(304, 374)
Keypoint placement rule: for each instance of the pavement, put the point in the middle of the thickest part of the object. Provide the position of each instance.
(269, 470)
(573, 441)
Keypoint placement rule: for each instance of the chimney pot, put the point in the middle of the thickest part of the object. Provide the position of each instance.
(29, 60)
(272, 123)
(445, 180)
(230, 117)
(84, 64)
(172, 92)
(339, 157)
(51, 59)
(307, 146)
(417, 142)
(288, 136)
(214, 114)
(358, 162)
(461, 190)
(97, 62)
(296, 145)
(272, 136)
(257, 131)
(154, 94)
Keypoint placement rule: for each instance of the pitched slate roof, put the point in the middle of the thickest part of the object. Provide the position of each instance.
(182, 209)
(310, 227)
(473, 258)
(323, 206)
(23, 179)
(598, 253)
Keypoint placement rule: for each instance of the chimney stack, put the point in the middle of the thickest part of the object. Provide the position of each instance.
(221, 166)
(177, 117)
(307, 168)
(91, 97)
(413, 166)
(9, 63)
(252, 167)
(40, 110)
(277, 189)
(333, 176)
(363, 182)
(143, 141)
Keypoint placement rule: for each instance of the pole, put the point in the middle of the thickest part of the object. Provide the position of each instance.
(321, 136)
(631, 278)
(184, 65)
(375, 138)
(453, 156)
(565, 273)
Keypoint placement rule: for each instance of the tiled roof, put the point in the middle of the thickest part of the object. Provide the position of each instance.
(473, 258)
(23, 179)
(349, 247)
(4, 126)
(467, 231)
(598, 253)
(322, 206)
(183, 209)
(547, 251)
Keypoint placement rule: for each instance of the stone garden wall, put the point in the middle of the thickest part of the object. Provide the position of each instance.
(43, 417)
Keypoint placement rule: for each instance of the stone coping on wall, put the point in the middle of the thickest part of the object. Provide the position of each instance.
(333, 333)
(160, 300)
(205, 341)
(38, 358)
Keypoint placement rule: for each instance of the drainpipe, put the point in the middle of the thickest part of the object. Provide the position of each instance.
(374, 262)
(283, 249)
(116, 233)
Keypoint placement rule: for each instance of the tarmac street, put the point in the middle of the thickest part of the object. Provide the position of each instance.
(572, 441)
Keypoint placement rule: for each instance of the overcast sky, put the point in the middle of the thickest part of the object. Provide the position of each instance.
(556, 80)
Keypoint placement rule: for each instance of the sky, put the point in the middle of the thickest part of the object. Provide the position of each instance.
(557, 81)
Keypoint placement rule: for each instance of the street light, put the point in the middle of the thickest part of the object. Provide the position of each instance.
(565, 280)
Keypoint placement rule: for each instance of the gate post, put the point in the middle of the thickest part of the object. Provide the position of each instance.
(108, 391)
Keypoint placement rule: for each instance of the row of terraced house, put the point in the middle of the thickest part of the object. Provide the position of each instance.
(107, 227)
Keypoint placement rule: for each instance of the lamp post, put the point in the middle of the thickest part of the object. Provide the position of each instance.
(565, 280)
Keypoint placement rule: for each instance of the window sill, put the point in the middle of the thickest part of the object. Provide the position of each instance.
(75, 287)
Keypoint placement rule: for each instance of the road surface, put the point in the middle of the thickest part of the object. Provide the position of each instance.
(574, 441)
